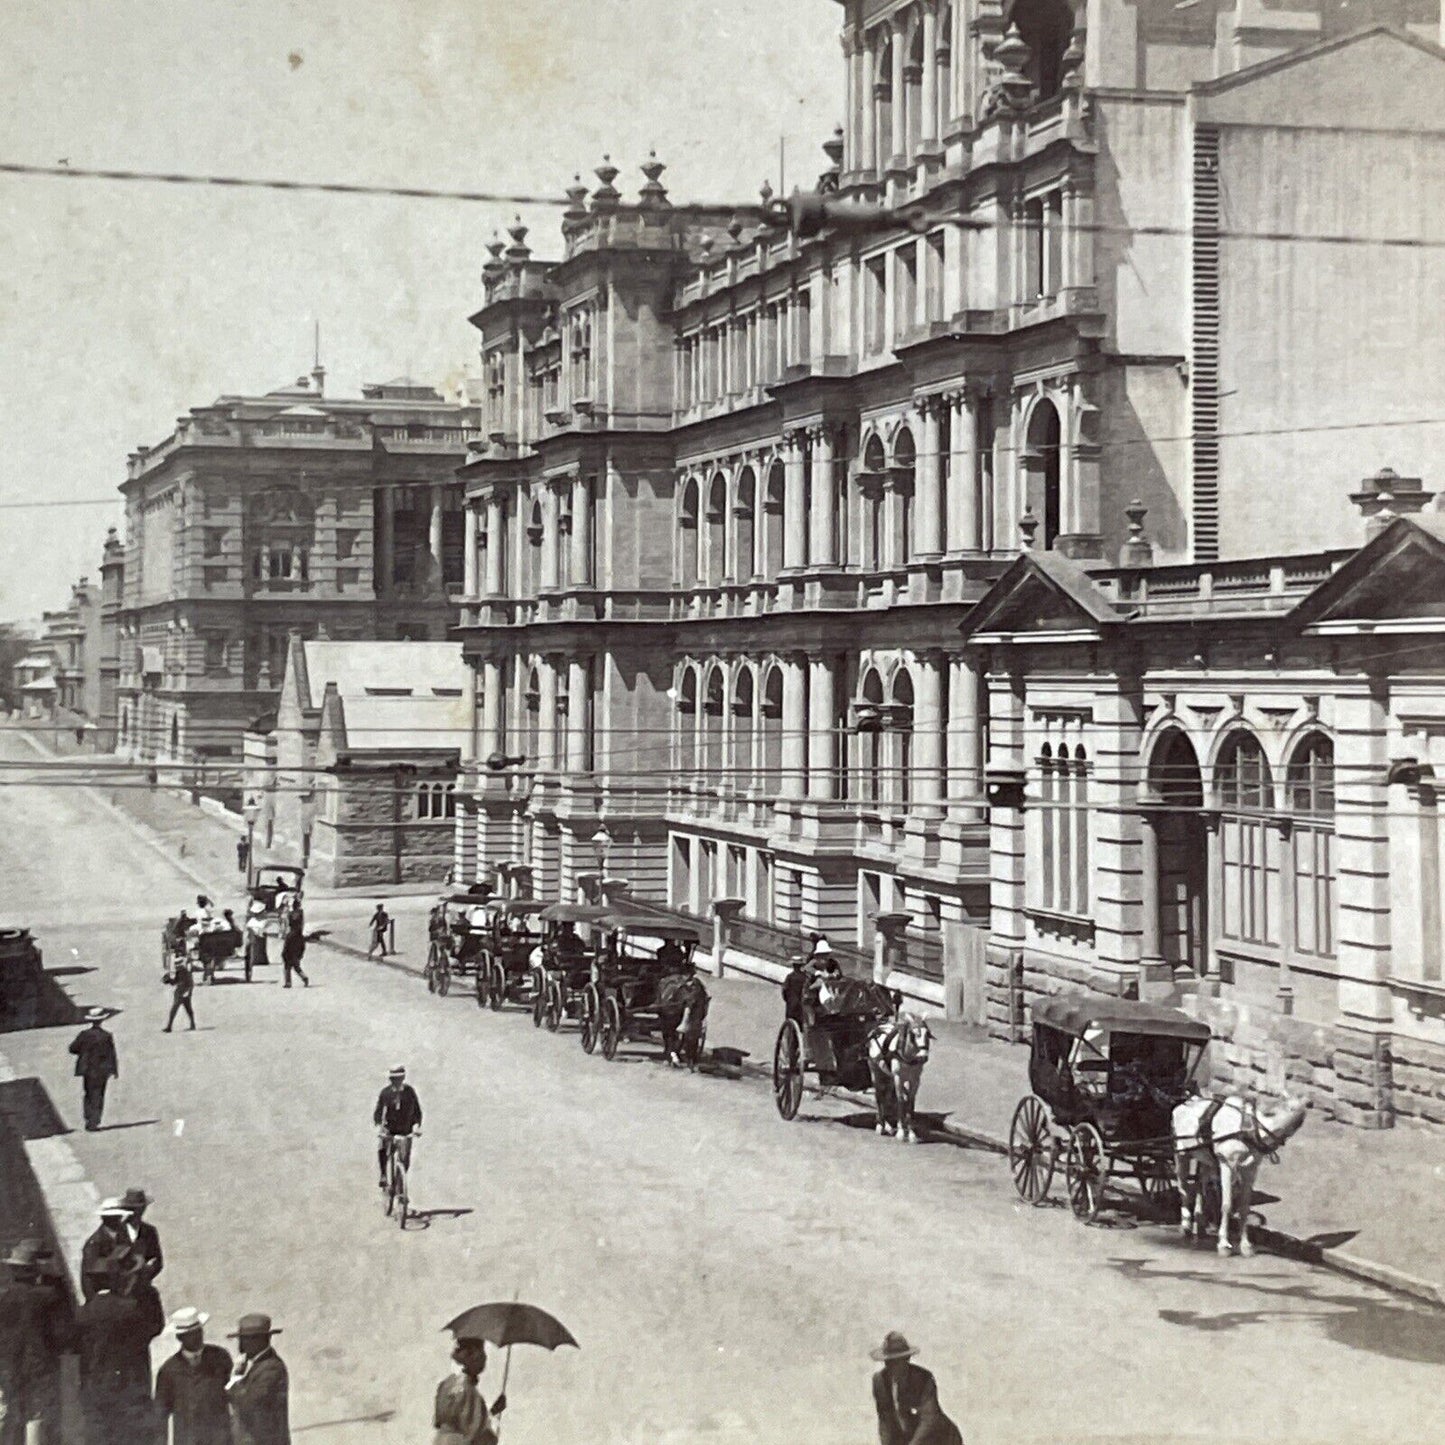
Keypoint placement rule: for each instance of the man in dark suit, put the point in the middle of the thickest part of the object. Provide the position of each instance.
(37, 1326)
(260, 1388)
(113, 1333)
(110, 1246)
(906, 1399)
(95, 1065)
(191, 1385)
(145, 1239)
(795, 986)
(183, 985)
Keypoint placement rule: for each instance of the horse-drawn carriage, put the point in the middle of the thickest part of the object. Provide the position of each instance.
(457, 933)
(1106, 1076)
(569, 948)
(829, 1040)
(511, 937)
(205, 946)
(644, 984)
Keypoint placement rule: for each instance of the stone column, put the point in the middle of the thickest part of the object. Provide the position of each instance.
(795, 521)
(547, 716)
(872, 95)
(550, 538)
(1150, 941)
(925, 508)
(794, 728)
(469, 583)
(928, 734)
(496, 545)
(928, 130)
(492, 738)
(964, 530)
(965, 734)
(958, 61)
(384, 528)
(581, 532)
(899, 138)
(822, 736)
(579, 715)
(822, 552)
(434, 538)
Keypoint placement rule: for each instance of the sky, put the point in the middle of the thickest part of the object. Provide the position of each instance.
(124, 305)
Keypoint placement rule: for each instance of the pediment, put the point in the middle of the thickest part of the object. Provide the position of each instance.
(1396, 577)
(1044, 595)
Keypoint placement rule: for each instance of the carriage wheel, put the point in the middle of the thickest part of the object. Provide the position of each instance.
(1086, 1167)
(499, 987)
(591, 1009)
(1156, 1181)
(1031, 1150)
(552, 1011)
(444, 978)
(539, 997)
(432, 954)
(611, 1030)
(788, 1070)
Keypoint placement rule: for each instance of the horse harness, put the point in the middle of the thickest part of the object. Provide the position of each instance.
(1252, 1132)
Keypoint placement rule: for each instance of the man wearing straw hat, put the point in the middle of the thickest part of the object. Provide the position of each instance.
(259, 1390)
(461, 1416)
(95, 1065)
(906, 1398)
(37, 1326)
(191, 1385)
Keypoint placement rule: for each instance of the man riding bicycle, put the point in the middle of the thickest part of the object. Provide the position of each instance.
(398, 1116)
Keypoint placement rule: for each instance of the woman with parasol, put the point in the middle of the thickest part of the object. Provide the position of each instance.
(461, 1416)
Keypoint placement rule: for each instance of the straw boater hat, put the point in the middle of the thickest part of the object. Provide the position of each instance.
(894, 1347)
(399, 1072)
(112, 1207)
(95, 1015)
(28, 1254)
(188, 1319)
(252, 1325)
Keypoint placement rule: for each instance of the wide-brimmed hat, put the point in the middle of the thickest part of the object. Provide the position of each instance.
(28, 1254)
(112, 1206)
(95, 1015)
(135, 1199)
(894, 1347)
(399, 1072)
(186, 1320)
(251, 1325)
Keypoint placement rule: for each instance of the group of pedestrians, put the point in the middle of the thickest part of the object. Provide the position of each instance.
(199, 1396)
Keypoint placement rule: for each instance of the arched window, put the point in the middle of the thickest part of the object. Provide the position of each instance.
(717, 529)
(687, 536)
(1048, 827)
(536, 530)
(1249, 846)
(687, 723)
(773, 523)
(900, 730)
(942, 60)
(770, 728)
(1041, 459)
(883, 102)
(740, 739)
(871, 487)
(870, 724)
(1045, 27)
(744, 513)
(1310, 788)
(904, 456)
(913, 80)
(712, 726)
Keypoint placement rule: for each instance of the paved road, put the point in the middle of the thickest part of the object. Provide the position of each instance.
(725, 1272)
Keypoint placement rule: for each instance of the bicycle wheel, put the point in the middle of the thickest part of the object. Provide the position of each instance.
(402, 1202)
(391, 1189)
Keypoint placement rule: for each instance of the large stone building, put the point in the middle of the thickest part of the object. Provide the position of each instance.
(260, 515)
(743, 488)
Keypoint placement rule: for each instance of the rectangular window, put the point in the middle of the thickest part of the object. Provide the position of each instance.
(215, 651)
(1314, 889)
(346, 539)
(215, 541)
(905, 303)
(1250, 864)
(875, 305)
(1033, 250)
(933, 256)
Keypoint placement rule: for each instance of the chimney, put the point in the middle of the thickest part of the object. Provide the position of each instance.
(1388, 495)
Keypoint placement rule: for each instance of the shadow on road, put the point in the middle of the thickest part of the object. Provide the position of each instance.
(129, 1124)
(27, 1108)
(382, 1417)
(1359, 1321)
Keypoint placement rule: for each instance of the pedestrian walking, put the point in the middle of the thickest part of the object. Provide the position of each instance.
(380, 922)
(795, 988)
(95, 1065)
(243, 853)
(293, 950)
(37, 1326)
(191, 1385)
(183, 986)
(255, 934)
(113, 1336)
(906, 1399)
(144, 1236)
(259, 1389)
(460, 1415)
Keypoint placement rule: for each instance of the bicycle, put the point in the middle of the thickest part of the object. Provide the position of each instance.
(398, 1162)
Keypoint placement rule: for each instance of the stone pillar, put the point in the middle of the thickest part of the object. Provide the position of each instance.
(724, 912)
(822, 552)
(822, 734)
(794, 728)
(928, 734)
(469, 580)
(581, 532)
(547, 716)
(434, 536)
(872, 95)
(550, 537)
(384, 528)
(928, 130)
(926, 508)
(965, 533)
(965, 735)
(795, 521)
(492, 737)
(1150, 941)
(496, 545)
(579, 716)
(899, 138)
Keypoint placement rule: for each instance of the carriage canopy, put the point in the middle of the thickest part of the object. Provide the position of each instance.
(573, 913)
(1078, 1014)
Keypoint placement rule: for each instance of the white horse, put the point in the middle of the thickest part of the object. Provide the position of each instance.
(897, 1051)
(1228, 1139)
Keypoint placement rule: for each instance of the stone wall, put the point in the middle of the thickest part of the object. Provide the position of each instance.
(375, 836)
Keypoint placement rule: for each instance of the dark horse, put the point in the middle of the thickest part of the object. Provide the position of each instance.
(681, 1006)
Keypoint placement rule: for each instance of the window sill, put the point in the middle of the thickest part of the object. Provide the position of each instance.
(1077, 927)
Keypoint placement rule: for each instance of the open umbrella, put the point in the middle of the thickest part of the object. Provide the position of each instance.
(511, 1323)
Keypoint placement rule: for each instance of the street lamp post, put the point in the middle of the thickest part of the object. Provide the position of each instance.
(601, 844)
(251, 809)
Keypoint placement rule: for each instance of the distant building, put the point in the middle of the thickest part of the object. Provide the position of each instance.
(262, 515)
(35, 684)
(367, 741)
(106, 655)
(742, 488)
